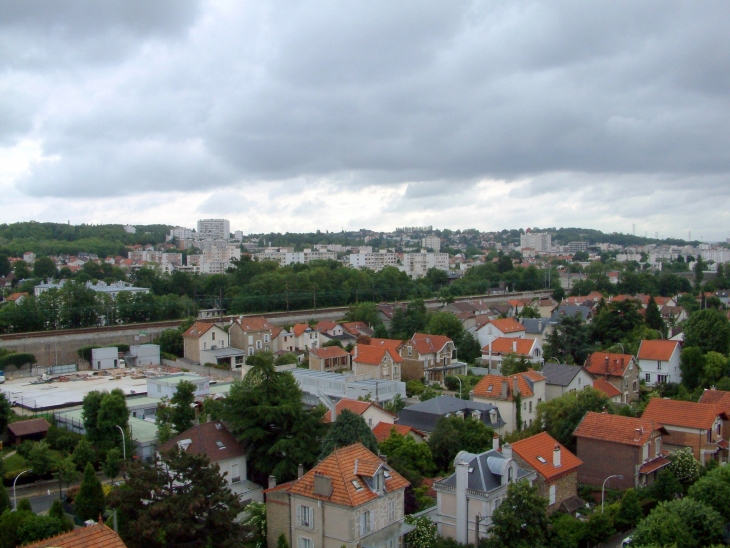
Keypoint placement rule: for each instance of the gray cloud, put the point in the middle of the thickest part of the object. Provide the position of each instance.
(579, 97)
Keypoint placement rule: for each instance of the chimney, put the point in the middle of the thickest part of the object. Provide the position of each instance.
(208, 418)
(322, 485)
(514, 346)
(507, 451)
(495, 442)
(300, 471)
(462, 483)
(504, 390)
(272, 482)
(515, 389)
(556, 456)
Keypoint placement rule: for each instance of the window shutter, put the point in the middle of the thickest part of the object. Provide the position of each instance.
(299, 515)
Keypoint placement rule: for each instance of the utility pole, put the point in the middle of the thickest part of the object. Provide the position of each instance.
(287, 296)
(220, 302)
(315, 298)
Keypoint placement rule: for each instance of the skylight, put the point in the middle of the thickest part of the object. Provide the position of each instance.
(220, 445)
(542, 460)
(356, 484)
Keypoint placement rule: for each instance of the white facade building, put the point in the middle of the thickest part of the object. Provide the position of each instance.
(416, 265)
(105, 358)
(214, 229)
(181, 233)
(540, 241)
(373, 261)
(432, 242)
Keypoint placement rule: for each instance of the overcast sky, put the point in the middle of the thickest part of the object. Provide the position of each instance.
(327, 115)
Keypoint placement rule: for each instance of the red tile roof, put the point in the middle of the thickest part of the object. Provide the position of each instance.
(508, 325)
(343, 466)
(198, 329)
(94, 536)
(275, 331)
(506, 345)
(720, 398)
(392, 344)
(606, 387)
(373, 355)
(356, 328)
(16, 296)
(658, 350)
(211, 439)
(542, 446)
(490, 386)
(686, 414)
(603, 363)
(325, 325)
(356, 406)
(29, 427)
(383, 430)
(329, 352)
(429, 344)
(654, 465)
(256, 323)
(299, 328)
(616, 428)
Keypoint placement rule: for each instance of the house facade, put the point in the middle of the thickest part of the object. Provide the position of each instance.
(377, 363)
(329, 358)
(431, 357)
(252, 335)
(621, 370)
(659, 361)
(516, 396)
(371, 413)
(305, 337)
(203, 336)
(351, 499)
(561, 378)
(495, 352)
(503, 327)
(612, 445)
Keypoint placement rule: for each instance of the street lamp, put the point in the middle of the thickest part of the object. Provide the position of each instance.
(124, 445)
(623, 351)
(458, 379)
(15, 499)
(603, 488)
(660, 333)
(556, 360)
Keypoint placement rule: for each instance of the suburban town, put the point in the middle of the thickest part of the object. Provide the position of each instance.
(172, 386)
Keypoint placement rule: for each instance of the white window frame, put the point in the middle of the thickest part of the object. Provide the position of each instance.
(305, 516)
(266, 337)
(391, 510)
(552, 492)
(259, 345)
(365, 523)
(250, 339)
(304, 542)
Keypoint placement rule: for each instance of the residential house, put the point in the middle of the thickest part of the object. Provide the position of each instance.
(329, 358)
(516, 396)
(305, 337)
(621, 370)
(585, 313)
(689, 424)
(351, 499)
(613, 445)
(96, 535)
(379, 363)
(535, 328)
(30, 430)
(424, 415)
(386, 312)
(561, 378)
(659, 361)
(607, 389)
(357, 329)
(203, 336)
(251, 334)
(503, 327)
(556, 467)
(372, 413)
(494, 353)
(383, 430)
(546, 306)
(282, 340)
(16, 298)
(431, 357)
(215, 441)
(333, 331)
(467, 499)
(673, 315)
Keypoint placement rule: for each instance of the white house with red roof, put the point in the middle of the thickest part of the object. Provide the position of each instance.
(372, 413)
(383, 430)
(202, 337)
(659, 361)
(494, 352)
(305, 337)
(502, 327)
(516, 396)
(373, 362)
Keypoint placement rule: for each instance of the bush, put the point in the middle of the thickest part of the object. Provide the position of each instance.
(18, 359)
(168, 356)
(414, 388)
(85, 352)
(451, 382)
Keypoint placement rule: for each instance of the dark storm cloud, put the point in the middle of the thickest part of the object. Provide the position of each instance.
(438, 95)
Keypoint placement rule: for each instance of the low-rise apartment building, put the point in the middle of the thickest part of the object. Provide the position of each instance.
(251, 334)
(621, 370)
(516, 396)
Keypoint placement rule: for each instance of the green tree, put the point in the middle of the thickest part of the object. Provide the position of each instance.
(713, 491)
(182, 412)
(395, 405)
(5, 412)
(113, 464)
(41, 459)
(56, 511)
(699, 272)
(445, 323)
(364, 312)
(113, 412)
(666, 487)
(629, 512)
(653, 317)
(468, 348)
(511, 364)
(615, 321)
(4, 499)
(66, 472)
(21, 269)
(90, 406)
(281, 542)
(692, 365)
(404, 453)
(179, 500)
(285, 359)
(684, 466)
(83, 454)
(560, 416)
(453, 434)
(598, 528)
(256, 523)
(684, 523)
(521, 520)
(715, 369)
(36, 528)
(423, 535)
(10, 523)
(44, 267)
(89, 502)
(569, 341)
(567, 531)
(163, 420)
(708, 330)
(347, 429)
(264, 410)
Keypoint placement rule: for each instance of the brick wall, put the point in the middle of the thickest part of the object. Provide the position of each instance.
(277, 517)
(695, 440)
(411, 370)
(566, 486)
(602, 459)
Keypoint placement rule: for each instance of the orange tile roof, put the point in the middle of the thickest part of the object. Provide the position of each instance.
(329, 352)
(383, 430)
(506, 345)
(275, 331)
(356, 406)
(687, 414)
(616, 428)
(606, 387)
(16, 296)
(198, 329)
(392, 344)
(373, 355)
(256, 323)
(429, 344)
(299, 328)
(356, 328)
(658, 350)
(617, 363)
(490, 386)
(343, 466)
(95, 536)
(325, 325)
(508, 325)
(720, 398)
(543, 446)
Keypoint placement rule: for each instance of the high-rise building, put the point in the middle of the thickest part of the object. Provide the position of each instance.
(539, 241)
(431, 242)
(575, 247)
(416, 265)
(214, 229)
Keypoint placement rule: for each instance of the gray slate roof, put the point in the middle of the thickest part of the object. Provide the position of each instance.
(560, 374)
(535, 326)
(482, 478)
(569, 310)
(424, 415)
